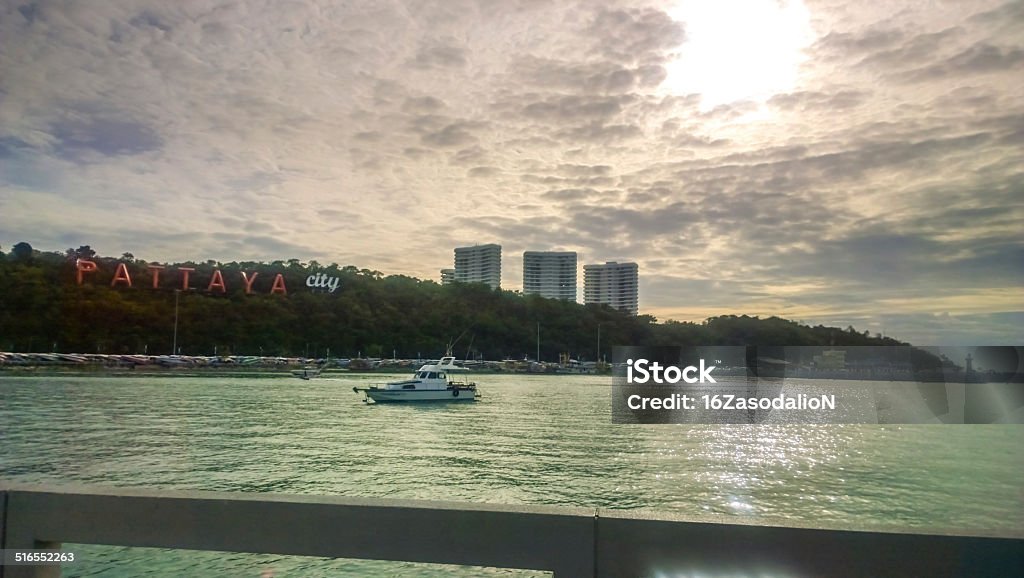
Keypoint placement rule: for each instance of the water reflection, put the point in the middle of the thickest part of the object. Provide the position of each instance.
(532, 439)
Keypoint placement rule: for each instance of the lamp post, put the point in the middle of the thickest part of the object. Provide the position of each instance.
(538, 342)
(174, 346)
(598, 342)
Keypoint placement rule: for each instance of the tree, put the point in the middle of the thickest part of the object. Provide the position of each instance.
(22, 251)
(82, 252)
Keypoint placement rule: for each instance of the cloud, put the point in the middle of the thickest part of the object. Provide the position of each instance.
(981, 58)
(805, 101)
(883, 187)
(11, 147)
(423, 104)
(483, 172)
(571, 108)
(469, 155)
(457, 134)
(636, 35)
(599, 133)
(77, 138)
(583, 171)
(440, 54)
(587, 78)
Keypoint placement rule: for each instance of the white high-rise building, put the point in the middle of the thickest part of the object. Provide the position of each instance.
(550, 274)
(447, 276)
(479, 264)
(612, 283)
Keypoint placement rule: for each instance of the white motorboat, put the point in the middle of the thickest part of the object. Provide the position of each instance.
(441, 381)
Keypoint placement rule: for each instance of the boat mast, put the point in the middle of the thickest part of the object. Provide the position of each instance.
(451, 344)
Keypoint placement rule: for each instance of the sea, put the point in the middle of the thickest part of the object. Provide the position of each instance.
(529, 440)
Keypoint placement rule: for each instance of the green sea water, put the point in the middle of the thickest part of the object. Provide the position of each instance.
(530, 440)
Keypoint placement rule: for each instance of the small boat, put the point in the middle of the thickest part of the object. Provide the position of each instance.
(308, 372)
(441, 381)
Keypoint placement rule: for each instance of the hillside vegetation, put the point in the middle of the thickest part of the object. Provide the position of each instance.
(44, 308)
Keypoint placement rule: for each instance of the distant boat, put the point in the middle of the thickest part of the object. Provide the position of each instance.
(431, 382)
(172, 360)
(308, 372)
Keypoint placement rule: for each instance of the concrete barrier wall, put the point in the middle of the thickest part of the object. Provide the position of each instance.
(569, 542)
(671, 546)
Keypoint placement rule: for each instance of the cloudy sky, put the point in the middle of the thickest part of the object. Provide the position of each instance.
(831, 162)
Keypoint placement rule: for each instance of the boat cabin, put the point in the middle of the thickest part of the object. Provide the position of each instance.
(432, 376)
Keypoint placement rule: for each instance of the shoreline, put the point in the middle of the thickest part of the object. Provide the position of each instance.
(285, 371)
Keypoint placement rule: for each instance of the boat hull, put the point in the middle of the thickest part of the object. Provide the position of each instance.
(431, 395)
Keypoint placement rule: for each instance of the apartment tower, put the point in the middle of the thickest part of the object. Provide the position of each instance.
(479, 264)
(612, 283)
(550, 274)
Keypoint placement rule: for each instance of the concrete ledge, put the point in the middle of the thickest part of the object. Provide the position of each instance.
(647, 547)
(442, 533)
(571, 542)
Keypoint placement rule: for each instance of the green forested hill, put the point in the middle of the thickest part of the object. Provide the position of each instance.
(43, 308)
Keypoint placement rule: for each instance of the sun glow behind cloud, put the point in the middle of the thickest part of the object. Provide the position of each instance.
(739, 49)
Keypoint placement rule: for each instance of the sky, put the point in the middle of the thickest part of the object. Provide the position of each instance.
(843, 163)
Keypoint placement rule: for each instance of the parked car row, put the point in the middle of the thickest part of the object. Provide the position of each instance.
(44, 359)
